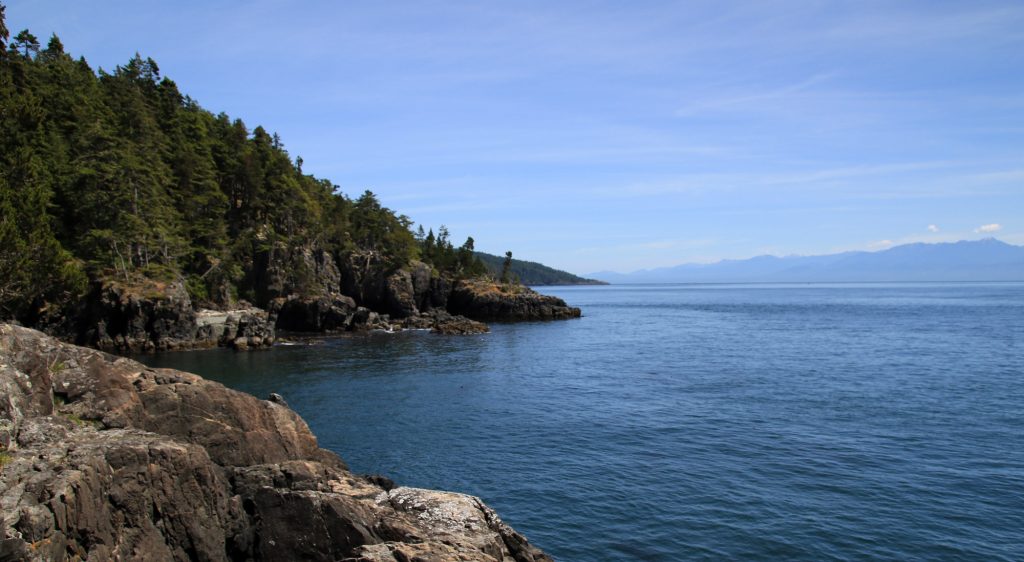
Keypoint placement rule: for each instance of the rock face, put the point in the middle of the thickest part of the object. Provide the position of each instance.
(241, 329)
(153, 316)
(104, 459)
(160, 317)
(485, 300)
(314, 314)
(295, 289)
(400, 293)
(283, 271)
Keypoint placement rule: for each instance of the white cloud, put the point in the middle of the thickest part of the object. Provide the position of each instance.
(933, 228)
(880, 245)
(986, 228)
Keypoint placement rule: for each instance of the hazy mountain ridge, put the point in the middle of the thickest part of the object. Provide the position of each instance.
(980, 260)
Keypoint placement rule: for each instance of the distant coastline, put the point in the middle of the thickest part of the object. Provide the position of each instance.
(533, 273)
(963, 261)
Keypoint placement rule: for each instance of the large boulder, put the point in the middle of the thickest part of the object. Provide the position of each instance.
(106, 459)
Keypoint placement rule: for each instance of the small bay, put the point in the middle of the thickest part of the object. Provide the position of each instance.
(678, 422)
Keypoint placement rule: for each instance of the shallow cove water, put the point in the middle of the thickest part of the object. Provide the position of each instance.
(679, 422)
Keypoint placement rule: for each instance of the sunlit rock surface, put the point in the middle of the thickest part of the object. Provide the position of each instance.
(104, 458)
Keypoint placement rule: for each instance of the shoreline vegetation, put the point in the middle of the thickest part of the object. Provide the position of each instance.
(135, 220)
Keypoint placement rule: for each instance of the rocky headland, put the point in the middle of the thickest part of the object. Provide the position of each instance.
(102, 458)
(296, 291)
(488, 301)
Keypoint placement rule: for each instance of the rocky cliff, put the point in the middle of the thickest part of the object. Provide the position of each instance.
(294, 290)
(102, 458)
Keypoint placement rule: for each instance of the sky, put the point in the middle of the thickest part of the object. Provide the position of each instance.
(592, 135)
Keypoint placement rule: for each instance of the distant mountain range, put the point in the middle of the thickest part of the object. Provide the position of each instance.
(533, 273)
(981, 260)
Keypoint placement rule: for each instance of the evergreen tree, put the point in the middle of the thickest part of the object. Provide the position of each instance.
(54, 48)
(468, 264)
(506, 268)
(4, 34)
(118, 176)
(27, 43)
(33, 265)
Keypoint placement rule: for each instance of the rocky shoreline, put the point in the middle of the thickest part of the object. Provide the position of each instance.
(103, 458)
(296, 291)
(485, 300)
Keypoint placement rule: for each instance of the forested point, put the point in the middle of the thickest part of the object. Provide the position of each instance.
(532, 273)
(118, 177)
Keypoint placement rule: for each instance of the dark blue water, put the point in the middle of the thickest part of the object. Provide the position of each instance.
(810, 422)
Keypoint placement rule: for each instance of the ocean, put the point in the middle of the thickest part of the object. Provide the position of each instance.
(693, 422)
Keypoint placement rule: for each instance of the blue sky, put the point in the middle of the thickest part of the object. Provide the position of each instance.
(616, 135)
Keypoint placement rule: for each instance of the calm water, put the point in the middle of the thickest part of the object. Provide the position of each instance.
(678, 422)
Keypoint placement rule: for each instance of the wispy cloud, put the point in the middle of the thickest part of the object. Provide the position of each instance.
(814, 178)
(988, 228)
(755, 100)
(831, 174)
(933, 228)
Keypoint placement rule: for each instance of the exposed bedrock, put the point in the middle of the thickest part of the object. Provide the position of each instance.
(486, 300)
(400, 293)
(103, 458)
(296, 289)
(282, 271)
(156, 316)
(314, 314)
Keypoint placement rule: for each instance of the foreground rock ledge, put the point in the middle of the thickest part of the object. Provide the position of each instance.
(105, 459)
